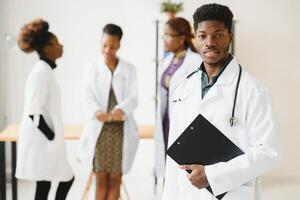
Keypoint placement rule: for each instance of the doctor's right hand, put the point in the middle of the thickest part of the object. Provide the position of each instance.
(117, 115)
(197, 175)
(103, 116)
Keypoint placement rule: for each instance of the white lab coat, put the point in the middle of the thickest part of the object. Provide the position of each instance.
(96, 86)
(255, 134)
(38, 158)
(191, 62)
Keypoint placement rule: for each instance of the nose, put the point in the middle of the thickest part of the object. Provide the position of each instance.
(210, 42)
(106, 50)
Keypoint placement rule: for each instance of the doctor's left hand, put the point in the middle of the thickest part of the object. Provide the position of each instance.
(197, 177)
(117, 115)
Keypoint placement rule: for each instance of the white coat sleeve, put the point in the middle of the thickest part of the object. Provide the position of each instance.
(88, 95)
(38, 89)
(129, 103)
(259, 157)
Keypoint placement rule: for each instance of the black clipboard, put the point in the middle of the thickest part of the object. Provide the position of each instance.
(202, 143)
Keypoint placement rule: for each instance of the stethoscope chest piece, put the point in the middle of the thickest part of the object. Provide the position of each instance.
(233, 121)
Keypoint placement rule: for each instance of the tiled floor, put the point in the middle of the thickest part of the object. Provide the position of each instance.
(140, 183)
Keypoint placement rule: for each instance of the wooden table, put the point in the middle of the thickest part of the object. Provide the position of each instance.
(11, 133)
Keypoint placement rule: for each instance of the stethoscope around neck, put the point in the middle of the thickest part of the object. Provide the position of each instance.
(233, 120)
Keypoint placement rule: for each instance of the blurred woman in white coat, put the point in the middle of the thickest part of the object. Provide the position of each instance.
(110, 136)
(182, 60)
(41, 146)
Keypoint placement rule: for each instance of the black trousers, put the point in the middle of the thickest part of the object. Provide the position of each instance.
(43, 188)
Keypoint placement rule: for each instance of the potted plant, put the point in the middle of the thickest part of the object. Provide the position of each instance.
(170, 8)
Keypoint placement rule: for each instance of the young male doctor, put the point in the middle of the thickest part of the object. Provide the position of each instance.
(232, 100)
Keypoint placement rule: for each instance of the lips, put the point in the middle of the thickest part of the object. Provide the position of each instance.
(211, 53)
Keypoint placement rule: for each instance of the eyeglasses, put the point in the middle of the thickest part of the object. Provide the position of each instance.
(167, 36)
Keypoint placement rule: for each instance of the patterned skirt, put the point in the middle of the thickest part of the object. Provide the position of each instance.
(108, 153)
(109, 147)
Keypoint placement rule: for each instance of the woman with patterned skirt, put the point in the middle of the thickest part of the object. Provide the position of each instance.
(110, 136)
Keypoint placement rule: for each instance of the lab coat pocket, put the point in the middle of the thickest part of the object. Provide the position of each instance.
(237, 133)
(38, 134)
(27, 130)
(243, 192)
(181, 97)
(239, 116)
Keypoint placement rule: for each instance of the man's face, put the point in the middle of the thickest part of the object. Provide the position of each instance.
(212, 41)
(109, 46)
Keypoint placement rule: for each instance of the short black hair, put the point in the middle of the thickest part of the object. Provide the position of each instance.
(213, 11)
(113, 29)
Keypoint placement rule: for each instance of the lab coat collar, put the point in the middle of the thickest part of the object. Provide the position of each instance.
(186, 60)
(103, 67)
(229, 73)
(44, 63)
(227, 77)
(49, 62)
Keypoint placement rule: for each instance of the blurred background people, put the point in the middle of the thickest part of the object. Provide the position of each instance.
(41, 147)
(175, 67)
(110, 138)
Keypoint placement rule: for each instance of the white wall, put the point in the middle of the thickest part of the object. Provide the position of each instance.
(4, 8)
(2, 72)
(267, 39)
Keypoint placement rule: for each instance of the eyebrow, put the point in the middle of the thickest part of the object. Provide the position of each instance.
(218, 30)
